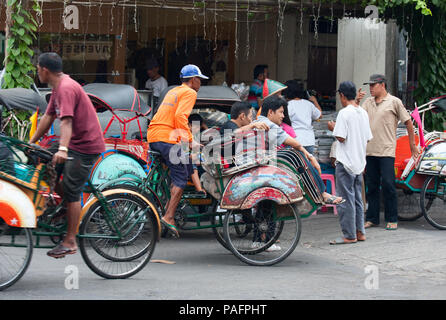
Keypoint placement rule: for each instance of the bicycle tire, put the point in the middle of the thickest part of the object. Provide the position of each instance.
(10, 270)
(286, 229)
(107, 257)
(407, 208)
(431, 203)
(218, 231)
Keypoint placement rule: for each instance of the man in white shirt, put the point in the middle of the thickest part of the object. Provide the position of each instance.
(156, 82)
(352, 130)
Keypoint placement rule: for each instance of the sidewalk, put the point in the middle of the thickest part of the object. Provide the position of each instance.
(416, 250)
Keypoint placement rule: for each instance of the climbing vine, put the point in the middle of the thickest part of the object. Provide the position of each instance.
(21, 30)
(426, 32)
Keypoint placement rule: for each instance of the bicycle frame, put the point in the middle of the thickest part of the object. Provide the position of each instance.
(157, 182)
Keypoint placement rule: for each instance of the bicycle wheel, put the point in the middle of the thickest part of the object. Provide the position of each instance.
(16, 248)
(264, 235)
(218, 219)
(119, 244)
(433, 201)
(408, 209)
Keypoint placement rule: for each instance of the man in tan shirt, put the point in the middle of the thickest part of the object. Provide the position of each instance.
(385, 111)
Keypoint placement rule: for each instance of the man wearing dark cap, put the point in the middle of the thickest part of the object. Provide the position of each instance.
(156, 82)
(384, 111)
(352, 131)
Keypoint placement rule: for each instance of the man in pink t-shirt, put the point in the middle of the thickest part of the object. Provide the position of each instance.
(81, 140)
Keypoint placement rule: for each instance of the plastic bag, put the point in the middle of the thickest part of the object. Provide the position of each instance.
(242, 90)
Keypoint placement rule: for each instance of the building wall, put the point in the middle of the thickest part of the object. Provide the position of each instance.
(262, 49)
(362, 49)
(297, 45)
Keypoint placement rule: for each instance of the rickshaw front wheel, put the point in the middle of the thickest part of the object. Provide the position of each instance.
(433, 201)
(16, 248)
(117, 245)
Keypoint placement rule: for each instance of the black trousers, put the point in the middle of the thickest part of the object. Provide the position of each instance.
(380, 175)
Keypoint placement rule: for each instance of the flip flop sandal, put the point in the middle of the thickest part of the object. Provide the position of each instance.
(60, 251)
(332, 200)
(369, 224)
(172, 229)
(360, 236)
(342, 241)
(391, 226)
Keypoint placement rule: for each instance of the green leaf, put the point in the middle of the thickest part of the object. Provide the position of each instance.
(9, 67)
(19, 19)
(15, 73)
(15, 52)
(27, 39)
(23, 47)
(8, 77)
(20, 60)
(21, 31)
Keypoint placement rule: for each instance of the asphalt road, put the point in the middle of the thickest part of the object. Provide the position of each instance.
(408, 263)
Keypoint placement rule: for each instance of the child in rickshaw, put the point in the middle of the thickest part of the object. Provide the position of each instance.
(197, 126)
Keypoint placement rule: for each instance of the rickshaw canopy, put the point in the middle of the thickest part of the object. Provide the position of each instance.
(218, 97)
(116, 97)
(440, 104)
(22, 99)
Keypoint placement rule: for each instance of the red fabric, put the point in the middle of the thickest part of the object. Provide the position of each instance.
(265, 88)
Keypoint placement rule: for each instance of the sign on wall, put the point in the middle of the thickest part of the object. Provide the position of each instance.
(86, 50)
(71, 17)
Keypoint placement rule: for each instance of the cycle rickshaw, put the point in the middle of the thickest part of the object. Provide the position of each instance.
(423, 177)
(118, 228)
(255, 198)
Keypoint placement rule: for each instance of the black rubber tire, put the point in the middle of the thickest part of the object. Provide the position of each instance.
(136, 261)
(22, 266)
(408, 210)
(218, 231)
(427, 200)
(259, 256)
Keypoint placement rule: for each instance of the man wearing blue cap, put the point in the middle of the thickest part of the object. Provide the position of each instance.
(170, 127)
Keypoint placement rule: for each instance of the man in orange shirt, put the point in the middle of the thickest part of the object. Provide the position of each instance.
(169, 129)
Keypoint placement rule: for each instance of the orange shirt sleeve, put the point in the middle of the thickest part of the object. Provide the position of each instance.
(185, 106)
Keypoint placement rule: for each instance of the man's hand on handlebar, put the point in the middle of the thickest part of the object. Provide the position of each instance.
(60, 157)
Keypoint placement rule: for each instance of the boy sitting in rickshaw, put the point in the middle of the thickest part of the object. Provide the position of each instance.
(272, 115)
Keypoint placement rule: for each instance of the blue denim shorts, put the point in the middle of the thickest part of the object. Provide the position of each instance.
(180, 171)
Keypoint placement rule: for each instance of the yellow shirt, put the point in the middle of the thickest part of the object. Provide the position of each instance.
(384, 119)
(170, 123)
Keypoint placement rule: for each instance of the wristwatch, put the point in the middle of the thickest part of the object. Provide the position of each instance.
(62, 148)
